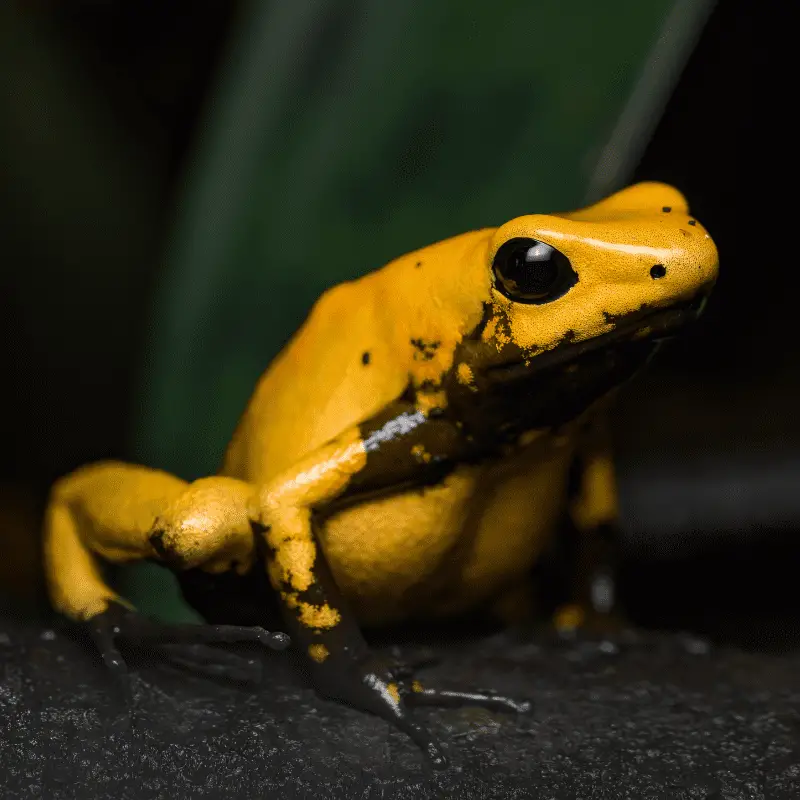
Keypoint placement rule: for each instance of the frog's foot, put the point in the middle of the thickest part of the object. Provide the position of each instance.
(574, 622)
(212, 662)
(185, 644)
(389, 691)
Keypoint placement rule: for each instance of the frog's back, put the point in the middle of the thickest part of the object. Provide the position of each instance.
(350, 358)
(330, 374)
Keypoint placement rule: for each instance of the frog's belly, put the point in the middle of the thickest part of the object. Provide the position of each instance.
(444, 549)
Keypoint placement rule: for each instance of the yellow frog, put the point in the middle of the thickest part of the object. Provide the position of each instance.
(408, 454)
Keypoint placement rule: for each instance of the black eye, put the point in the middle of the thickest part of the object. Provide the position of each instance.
(529, 271)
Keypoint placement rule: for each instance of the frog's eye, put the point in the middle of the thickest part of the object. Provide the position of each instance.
(529, 271)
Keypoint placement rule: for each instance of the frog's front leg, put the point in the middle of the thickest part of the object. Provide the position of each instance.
(383, 452)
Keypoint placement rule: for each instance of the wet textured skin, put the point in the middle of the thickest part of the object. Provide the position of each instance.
(408, 454)
(664, 720)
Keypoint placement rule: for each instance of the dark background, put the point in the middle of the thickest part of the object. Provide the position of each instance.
(707, 438)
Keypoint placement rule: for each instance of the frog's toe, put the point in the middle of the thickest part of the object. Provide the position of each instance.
(405, 669)
(576, 624)
(423, 738)
(213, 662)
(415, 693)
(189, 646)
(418, 695)
(104, 628)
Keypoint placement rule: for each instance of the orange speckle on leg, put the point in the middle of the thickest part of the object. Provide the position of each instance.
(318, 652)
(569, 618)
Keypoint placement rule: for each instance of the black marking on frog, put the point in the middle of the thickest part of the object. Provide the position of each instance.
(156, 540)
(516, 392)
(625, 316)
(424, 350)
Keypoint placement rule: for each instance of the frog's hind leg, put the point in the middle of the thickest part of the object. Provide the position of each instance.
(591, 542)
(79, 591)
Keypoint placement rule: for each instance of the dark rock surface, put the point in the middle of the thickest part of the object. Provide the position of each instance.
(666, 717)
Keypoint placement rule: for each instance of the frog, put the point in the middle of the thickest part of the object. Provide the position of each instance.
(414, 449)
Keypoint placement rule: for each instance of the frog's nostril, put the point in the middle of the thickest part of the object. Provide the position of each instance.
(657, 271)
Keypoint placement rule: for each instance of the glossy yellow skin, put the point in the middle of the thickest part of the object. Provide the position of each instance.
(109, 510)
(412, 553)
(449, 547)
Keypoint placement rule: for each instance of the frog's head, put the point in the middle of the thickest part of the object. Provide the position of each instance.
(201, 527)
(584, 297)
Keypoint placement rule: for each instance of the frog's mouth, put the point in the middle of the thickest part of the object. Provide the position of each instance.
(637, 334)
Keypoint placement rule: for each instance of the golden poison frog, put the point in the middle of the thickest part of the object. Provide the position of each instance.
(408, 454)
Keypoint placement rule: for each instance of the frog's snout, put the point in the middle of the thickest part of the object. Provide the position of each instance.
(690, 269)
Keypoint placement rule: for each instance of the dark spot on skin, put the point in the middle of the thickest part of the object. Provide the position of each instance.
(409, 395)
(260, 545)
(157, 543)
(418, 264)
(657, 271)
(365, 358)
(489, 313)
(667, 209)
(568, 337)
(613, 319)
(693, 222)
(685, 233)
(425, 350)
